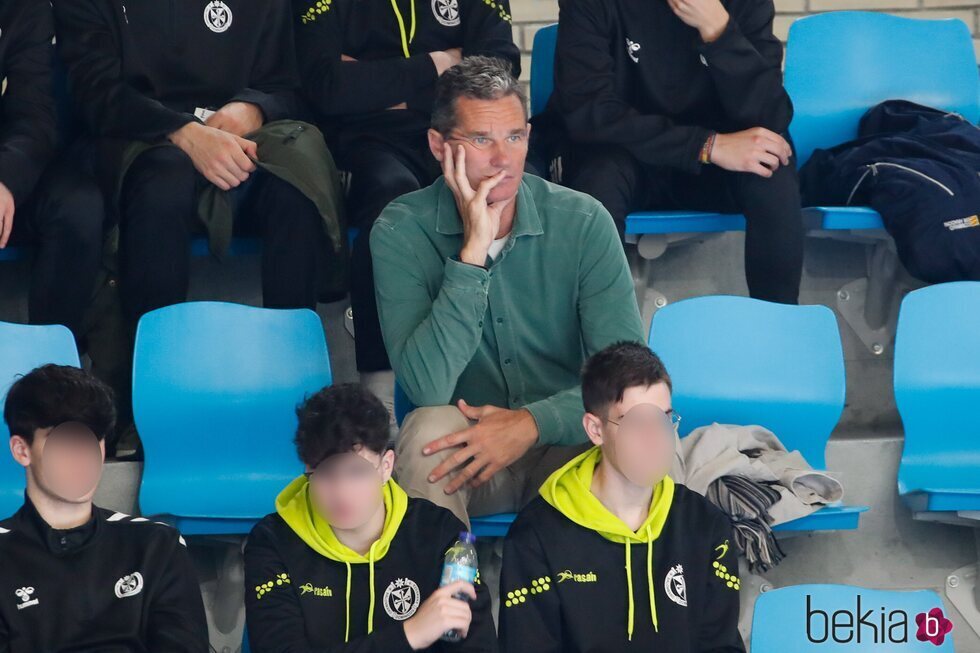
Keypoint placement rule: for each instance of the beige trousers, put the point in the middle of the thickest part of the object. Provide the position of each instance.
(508, 491)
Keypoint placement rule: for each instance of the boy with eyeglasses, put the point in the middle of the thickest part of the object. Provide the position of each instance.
(615, 502)
(348, 563)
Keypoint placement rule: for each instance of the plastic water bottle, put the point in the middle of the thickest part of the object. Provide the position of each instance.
(460, 565)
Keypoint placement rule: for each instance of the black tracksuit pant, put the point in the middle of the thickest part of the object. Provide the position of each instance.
(63, 221)
(158, 209)
(773, 220)
(381, 170)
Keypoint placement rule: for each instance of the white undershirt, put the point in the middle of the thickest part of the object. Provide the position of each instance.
(497, 246)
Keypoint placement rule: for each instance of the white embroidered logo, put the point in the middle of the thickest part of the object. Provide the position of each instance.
(217, 16)
(25, 594)
(675, 586)
(402, 599)
(632, 47)
(446, 12)
(130, 585)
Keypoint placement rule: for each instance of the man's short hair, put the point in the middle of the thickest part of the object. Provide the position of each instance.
(54, 394)
(340, 419)
(477, 78)
(609, 373)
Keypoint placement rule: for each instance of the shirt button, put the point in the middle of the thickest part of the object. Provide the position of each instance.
(500, 320)
(481, 323)
(703, 60)
(64, 541)
(506, 361)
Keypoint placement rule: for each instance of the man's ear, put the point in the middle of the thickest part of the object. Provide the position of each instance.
(436, 143)
(593, 428)
(20, 450)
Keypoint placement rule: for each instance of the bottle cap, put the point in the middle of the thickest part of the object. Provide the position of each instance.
(466, 536)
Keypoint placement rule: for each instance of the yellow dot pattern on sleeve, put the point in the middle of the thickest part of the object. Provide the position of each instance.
(731, 580)
(501, 11)
(268, 586)
(520, 595)
(319, 7)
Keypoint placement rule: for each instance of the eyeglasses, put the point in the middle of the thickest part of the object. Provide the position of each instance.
(485, 142)
(647, 419)
(349, 472)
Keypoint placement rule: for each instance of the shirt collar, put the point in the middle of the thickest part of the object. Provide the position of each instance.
(59, 541)
(527, 222)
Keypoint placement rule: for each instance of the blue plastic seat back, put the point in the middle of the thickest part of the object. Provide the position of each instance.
(782, 623)
(23, 348)
(937, 387)
(840, 64)
(736, 360)
(543, 67)
(215, 388)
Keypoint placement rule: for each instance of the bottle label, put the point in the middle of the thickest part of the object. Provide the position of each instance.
(454, 572)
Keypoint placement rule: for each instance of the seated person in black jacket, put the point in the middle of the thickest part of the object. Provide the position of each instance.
(564, 585)
(680, 105)
(52, 207)
(369, 70)
(74, 576)
(348, 563)
(192, 79)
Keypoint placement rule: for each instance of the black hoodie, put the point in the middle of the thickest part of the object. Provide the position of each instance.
(27, 114)
(305, 592)
(117, 584)
(138, 69)
(576, 579)
(354, 95)
(631, 73)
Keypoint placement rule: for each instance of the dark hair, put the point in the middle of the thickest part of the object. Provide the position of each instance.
(339, 419)
(54, 394)
(477, 78)
(607, 374)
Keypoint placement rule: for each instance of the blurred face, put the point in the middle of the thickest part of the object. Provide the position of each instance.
(494, 135)
(637, 434)
(347, 488)
(65, 462)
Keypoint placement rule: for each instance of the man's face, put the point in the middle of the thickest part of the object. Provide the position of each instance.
(637, 435)
(494, 135)
(347, 488)
(65, 462)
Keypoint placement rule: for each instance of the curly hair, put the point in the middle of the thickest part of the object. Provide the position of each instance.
(340, 419)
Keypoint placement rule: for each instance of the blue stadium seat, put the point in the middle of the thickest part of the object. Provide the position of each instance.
(485, 526)
(780, 621)
(215, 388)
(840, 64)
(22, 348)
(736, 360)
(642, 222)
(937, 389)
(11, 253)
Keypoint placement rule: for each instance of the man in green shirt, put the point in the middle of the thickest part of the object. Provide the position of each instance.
(493, 287)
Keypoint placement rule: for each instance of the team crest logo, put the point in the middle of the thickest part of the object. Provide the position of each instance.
(633, 49)
(402, 599)
(217, 16)
(25, 594)
(675, 586)
(446, 12)
(130, 585)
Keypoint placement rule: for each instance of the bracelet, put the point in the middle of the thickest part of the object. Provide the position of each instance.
(705, 156)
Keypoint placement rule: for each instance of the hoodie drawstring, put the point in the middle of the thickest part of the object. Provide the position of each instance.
(653, 601)
(371, 583)
(650, 588)
(347, 629)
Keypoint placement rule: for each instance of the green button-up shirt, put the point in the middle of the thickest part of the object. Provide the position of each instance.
(516, 333)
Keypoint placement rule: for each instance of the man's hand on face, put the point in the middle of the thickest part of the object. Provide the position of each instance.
(708, 17)
(481, 219)
(498, 439)
(755, 150)
(238, 118)
(222, 158)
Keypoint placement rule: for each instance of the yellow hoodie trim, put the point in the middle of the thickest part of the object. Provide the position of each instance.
(295, 505)
(569, 491)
